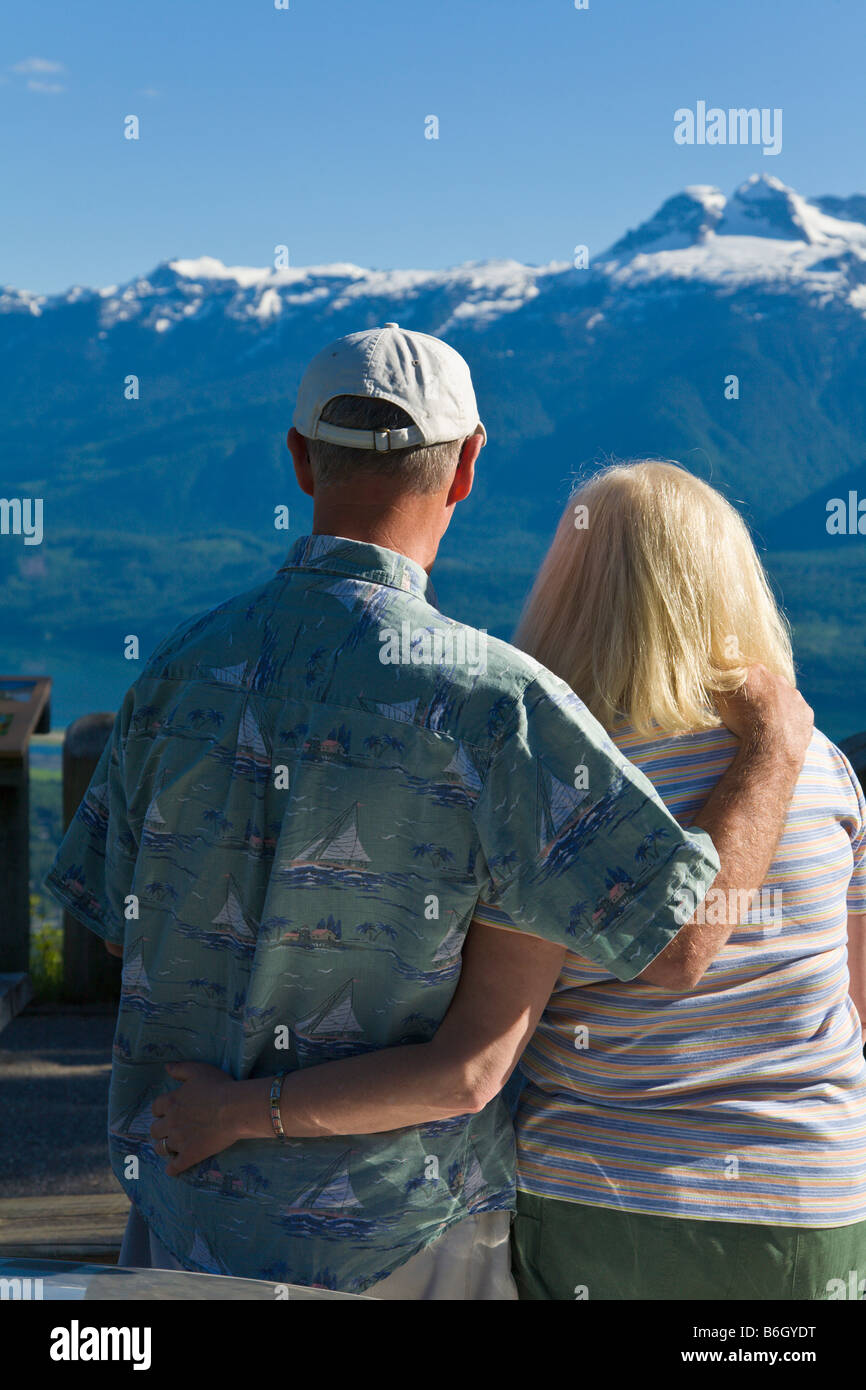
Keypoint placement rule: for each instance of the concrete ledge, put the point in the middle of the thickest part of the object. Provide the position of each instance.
(16, 991)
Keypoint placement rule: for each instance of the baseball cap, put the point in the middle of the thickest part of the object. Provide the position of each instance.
(422, 374)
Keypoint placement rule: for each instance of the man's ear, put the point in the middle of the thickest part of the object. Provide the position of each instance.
(464, 477)
(301, 459)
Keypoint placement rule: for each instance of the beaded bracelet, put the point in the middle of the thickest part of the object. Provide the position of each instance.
(276, 1090)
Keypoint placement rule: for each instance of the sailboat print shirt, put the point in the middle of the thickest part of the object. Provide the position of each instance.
(304, 796)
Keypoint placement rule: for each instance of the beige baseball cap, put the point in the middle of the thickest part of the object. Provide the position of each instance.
(422, 374)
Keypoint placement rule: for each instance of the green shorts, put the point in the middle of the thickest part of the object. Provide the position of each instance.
(565, 1250)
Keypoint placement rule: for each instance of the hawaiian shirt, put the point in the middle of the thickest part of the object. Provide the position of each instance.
(305, 794)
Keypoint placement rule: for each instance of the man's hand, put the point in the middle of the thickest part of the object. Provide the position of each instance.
(745, 816)
(767, 711)
(194, 1120)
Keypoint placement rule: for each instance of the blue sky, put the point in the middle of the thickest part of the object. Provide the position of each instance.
(305, 127)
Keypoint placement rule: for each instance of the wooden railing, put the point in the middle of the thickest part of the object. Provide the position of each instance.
(90, 974)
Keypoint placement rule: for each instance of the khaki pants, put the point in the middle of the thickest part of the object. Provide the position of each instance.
(471, 1262)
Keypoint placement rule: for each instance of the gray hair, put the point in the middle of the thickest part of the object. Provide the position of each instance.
(421, 468)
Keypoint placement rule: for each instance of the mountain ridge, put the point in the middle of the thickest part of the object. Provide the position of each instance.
(699, 220)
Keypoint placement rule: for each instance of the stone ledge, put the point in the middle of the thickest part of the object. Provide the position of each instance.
(88, 1228)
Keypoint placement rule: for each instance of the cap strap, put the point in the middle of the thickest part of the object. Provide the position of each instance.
(380, 440)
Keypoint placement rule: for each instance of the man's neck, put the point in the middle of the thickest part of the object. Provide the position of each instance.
(398, 528)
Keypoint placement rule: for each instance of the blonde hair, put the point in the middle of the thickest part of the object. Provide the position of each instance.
(653, 600)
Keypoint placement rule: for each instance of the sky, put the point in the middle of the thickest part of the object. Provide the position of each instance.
(305, 127)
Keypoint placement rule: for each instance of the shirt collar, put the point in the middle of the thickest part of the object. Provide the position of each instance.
(359, 560)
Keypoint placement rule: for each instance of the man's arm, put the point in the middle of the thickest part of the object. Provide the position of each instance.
(857, 965)
(745, 816)
(506, 980)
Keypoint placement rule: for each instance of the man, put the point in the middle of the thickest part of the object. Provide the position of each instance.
(305, 795)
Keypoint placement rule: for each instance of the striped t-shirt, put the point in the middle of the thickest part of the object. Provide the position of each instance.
(745, 1099)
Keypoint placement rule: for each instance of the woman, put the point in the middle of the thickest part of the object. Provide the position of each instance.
(708, 1145)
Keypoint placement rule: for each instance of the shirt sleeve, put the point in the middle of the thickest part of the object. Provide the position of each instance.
(93, 869)
(580, 848)
(855, 824)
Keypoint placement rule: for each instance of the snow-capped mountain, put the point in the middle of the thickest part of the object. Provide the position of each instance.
(761, 207)
(727, 332)
(187, 290)
(765, 285)
(764, 236)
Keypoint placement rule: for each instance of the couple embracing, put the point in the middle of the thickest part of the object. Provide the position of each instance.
(352, 893)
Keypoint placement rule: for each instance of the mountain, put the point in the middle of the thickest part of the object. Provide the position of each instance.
(159, 506)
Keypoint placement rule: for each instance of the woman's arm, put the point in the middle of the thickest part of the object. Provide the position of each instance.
(857, 964)
(506, 980)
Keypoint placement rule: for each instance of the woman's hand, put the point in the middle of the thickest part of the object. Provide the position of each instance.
(197, 1119)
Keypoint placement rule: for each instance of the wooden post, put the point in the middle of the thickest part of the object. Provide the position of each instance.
(15, 864)
(24, 710)
(89, 972)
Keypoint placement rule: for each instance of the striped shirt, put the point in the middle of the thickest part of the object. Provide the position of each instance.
(745, 1099)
